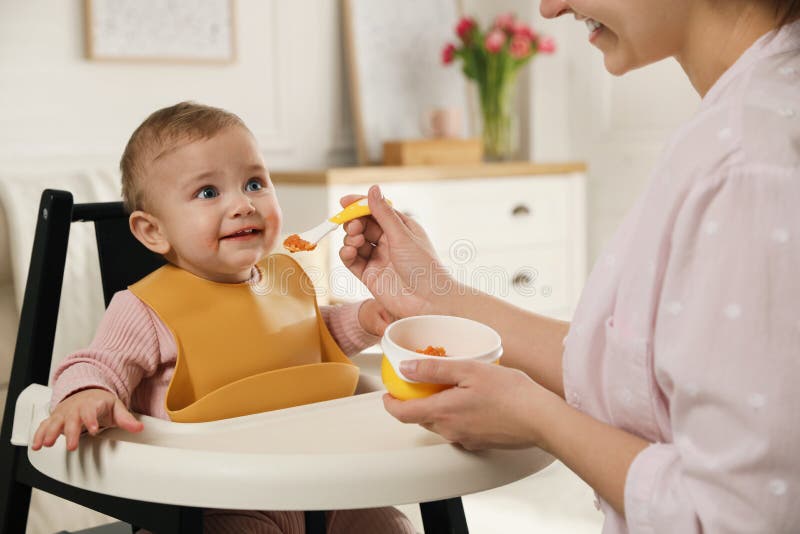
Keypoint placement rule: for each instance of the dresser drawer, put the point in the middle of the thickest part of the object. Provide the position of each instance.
(519, 238)
(496, 214)
(534, 278)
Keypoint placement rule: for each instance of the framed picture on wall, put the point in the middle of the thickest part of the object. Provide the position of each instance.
(160, 30)
(395, 69)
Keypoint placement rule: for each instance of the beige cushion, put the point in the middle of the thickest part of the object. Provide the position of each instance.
(5, 251)
(8, 331)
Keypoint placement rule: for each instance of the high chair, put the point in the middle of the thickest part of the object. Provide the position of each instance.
(340, 454)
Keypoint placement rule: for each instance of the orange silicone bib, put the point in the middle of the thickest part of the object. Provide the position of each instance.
(246, 348)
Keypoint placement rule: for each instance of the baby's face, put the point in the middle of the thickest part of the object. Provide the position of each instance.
(216, 205)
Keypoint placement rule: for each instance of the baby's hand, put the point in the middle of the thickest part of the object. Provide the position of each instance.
(90, 409)
(373, 317)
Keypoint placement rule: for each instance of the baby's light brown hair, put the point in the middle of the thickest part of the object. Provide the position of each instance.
(160, 132)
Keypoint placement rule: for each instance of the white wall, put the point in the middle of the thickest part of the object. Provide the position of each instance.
(617, 125)
(286, 85)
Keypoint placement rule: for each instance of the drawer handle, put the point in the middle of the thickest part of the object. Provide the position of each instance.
(520, 210)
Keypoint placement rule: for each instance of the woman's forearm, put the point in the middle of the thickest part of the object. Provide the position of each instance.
(598, 453)
(531, 343)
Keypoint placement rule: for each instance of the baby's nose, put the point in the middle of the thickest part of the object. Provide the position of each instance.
(243, 205)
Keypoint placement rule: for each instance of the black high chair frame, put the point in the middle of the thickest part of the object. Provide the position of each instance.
(123, 261)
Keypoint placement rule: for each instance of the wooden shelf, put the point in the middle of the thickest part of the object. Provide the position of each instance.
(378, 174)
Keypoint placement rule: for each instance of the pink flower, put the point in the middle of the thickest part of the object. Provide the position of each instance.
(505, 22)
(547, 45)
(495, 41)
(448, 53)
(520, 28)
(520, 46)
(464, 28)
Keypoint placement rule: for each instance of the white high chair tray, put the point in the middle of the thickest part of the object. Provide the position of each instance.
(344, 453)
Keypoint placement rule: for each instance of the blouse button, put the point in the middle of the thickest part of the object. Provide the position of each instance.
(574, 399)
(757, 401)
(787, 113)
(788, 71)
(780, 235)
(711, 227)
(626, 396)
(674, 307)
(733, 311)
(777, 486)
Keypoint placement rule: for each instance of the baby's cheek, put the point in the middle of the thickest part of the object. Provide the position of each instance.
(211, 243)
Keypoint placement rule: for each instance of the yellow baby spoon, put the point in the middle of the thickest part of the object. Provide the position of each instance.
(308, 240)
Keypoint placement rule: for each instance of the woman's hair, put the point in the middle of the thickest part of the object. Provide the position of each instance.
(161, 132)
(786, 10)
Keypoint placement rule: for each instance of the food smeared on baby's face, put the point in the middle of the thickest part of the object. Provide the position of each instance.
(432, 351)
(293, 244)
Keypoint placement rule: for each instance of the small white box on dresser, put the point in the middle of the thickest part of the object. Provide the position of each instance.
(515, 230)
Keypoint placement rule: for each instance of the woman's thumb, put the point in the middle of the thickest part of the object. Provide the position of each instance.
(387, 218)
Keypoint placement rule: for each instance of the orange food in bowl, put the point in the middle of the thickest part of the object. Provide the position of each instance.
(293, 243)
(432, 351)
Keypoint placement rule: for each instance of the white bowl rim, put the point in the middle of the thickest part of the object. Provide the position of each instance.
(404, 354)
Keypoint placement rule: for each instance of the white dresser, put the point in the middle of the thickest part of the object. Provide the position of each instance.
(515, 230)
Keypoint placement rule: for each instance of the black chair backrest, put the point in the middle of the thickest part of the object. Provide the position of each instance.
(123, 259)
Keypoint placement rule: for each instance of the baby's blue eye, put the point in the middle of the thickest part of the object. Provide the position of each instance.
(253, 185)
(207, 192)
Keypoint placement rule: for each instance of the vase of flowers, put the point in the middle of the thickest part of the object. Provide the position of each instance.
(492, 59)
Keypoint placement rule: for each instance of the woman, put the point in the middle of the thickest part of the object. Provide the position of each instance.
(675, 392)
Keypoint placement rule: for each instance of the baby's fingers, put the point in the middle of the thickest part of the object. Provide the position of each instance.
(125, 419)
(54, 429)
(89, 418)
(73, 426)
(44, 432)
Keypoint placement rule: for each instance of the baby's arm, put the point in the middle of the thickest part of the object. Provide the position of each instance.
(92, 387)
(356, 326)
(91, 409)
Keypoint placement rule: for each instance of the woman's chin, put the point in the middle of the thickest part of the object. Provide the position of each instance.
(615, 67)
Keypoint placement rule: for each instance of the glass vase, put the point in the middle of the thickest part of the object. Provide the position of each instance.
(498, 120)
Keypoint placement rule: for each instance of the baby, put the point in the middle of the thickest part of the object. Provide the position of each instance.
(221, 314)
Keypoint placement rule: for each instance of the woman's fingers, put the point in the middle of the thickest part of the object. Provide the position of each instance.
(416, 411)
(366, 227)
(349, 199)
(351, 260)
(388, 219)
(438, 370)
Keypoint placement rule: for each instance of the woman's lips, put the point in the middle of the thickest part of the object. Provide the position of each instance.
(595, 29)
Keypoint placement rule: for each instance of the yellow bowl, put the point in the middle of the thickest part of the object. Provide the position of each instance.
(463, 339)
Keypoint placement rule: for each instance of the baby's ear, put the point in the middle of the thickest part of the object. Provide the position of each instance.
(147, 229)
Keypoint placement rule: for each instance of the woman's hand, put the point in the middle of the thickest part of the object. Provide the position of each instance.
(391, 254)
(490, 406)
(91, 409)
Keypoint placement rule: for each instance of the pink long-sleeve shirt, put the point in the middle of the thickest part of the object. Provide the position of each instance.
(133, 353)
(688, 331)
